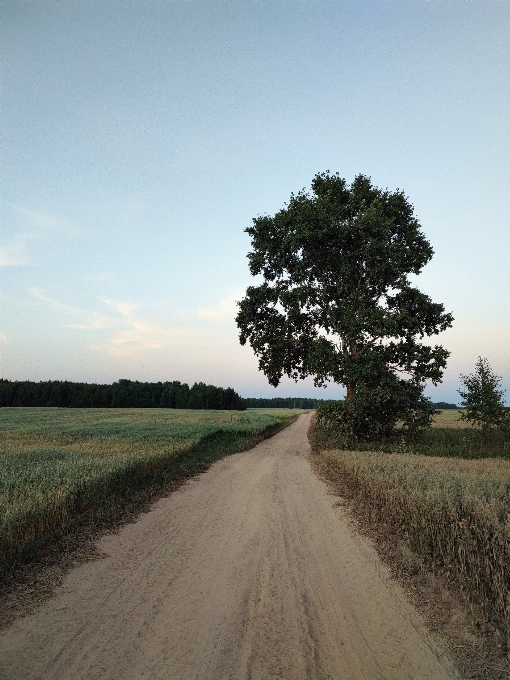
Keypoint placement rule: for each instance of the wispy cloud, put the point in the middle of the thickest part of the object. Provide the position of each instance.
(136, 335)
(3, 337)
(87, 319)
(45, 222)
(223, 312)
(13, 255)
(128, 334)
(31, 226)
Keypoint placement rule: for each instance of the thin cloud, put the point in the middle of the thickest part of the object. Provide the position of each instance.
(88, 319)
(46, 222)
(139, 336)
(13, 256)
(124, 308)
(225, 311)
(129, 335)
(32, 226)
(3, 337)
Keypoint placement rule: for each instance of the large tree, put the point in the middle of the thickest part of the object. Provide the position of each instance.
(336, 302)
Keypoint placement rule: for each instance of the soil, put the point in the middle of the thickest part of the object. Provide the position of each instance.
(250, 571)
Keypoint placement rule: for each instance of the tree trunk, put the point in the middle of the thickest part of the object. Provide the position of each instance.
(351, 390)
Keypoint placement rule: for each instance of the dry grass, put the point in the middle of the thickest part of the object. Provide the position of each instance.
(438, 511)
(454, 514)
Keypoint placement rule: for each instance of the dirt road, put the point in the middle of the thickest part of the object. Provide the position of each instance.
(248, 572)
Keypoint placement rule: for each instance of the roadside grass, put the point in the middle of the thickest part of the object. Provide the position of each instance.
(66, 467)
(447, 499)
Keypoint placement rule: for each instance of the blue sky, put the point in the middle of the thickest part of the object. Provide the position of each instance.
(141, 138)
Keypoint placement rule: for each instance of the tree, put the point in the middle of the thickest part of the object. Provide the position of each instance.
(336, 302)
(483, 400)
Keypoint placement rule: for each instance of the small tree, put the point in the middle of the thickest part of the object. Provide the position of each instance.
(336, 302)
(483, 399)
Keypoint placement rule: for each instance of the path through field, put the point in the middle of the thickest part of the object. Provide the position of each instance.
(249, 572)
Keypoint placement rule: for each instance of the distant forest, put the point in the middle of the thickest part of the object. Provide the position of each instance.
(134, 394)
(122, 394)
(299, 402)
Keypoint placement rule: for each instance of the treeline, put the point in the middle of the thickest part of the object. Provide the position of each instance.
(443, 405)
(297, 402)
(134, 394)
(122, 394)
(283, 402)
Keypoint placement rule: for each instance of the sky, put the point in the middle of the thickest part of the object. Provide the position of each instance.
(140, 138)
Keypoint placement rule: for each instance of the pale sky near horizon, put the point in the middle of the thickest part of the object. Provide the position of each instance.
(141, 138)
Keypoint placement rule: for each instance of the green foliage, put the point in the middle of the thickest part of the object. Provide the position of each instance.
(444, 405)
(483, 400)
(122, 394)
(391, 401)
(336, 302)
(331, 414)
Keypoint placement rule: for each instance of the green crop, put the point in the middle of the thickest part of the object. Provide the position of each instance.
(59, 465)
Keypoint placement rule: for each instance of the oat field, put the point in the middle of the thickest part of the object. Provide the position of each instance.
(454, 513)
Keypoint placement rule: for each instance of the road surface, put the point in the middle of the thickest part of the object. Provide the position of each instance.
(248, 572)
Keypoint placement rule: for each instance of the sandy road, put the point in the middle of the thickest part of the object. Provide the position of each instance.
(248, 572)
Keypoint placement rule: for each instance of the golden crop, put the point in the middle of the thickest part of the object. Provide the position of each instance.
(454, 513)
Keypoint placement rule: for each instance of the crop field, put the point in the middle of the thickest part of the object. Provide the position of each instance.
(59, 465)
(450, 436)
(446, 497)
(454, 513)
(449, 418)
(276, 412)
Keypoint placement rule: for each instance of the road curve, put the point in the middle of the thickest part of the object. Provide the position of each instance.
(248, 572)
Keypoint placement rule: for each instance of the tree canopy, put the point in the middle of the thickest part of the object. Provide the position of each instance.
(122, 394)
(336, 301)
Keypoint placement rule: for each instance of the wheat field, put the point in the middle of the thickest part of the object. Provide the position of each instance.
(454, 513)
(61, 464)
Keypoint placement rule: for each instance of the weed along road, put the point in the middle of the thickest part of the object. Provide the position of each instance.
(249, 571)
